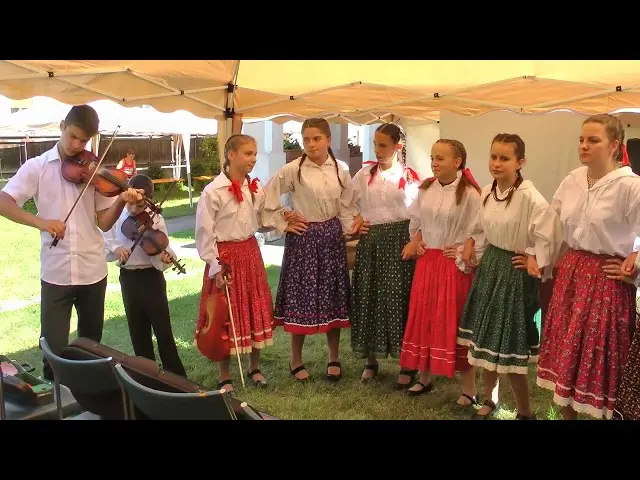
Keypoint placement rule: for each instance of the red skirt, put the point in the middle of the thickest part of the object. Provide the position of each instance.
(586, 335)
(251, 301)
(438, 294)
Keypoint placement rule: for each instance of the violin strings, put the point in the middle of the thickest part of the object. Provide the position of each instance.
(159, 247)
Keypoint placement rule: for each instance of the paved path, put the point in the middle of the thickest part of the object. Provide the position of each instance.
(179, 224)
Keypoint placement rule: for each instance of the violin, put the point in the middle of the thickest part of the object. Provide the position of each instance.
(212, 338)
(140, 229)
(109, 182)
(86, 168)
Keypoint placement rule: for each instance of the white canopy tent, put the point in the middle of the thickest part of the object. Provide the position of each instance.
(362, 92)
(356, 91)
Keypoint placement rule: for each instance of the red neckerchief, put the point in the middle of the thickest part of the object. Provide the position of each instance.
(467, 173)
(408, 173)
(236, 189)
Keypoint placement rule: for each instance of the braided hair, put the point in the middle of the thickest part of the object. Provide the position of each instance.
(518, 146)
(234, 142)
(458, 151)
(322, 125)
(397, 135)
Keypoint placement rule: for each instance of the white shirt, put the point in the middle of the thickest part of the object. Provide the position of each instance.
(318, 198)
(441, 221)
(221, 218)
(78, 259)
(383, 201)
(527, 224)
(138, 259)
(603, 219)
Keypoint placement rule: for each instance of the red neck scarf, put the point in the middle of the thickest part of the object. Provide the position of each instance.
(625, 156)
(408, 174)
(467, 173)
(236, 188)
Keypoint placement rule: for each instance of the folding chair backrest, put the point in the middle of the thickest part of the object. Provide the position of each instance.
(82, 377)
(158, 405)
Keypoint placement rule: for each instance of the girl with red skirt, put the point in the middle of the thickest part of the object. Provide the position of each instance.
(442, 218)
(227, 219)
(588, 328)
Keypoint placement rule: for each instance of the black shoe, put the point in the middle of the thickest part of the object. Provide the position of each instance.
(257, 383)
(491, 405)
(296, 370)
(425, 389)
(334, 378)
(403, 386)
(524, 417)
(372, 366)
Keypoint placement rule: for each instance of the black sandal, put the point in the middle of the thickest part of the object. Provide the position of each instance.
(371, 366)
(475, 401)
(299, 369)
(487, 403)
(225, 382)
(331, 377)
(403, 386)
(257, 383)
(425, 389)
(524, 417)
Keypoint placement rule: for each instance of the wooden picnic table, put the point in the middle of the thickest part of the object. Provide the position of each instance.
(166, 180)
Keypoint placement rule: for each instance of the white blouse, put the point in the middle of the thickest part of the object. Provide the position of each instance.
(527, 224)
(441, 221)
(221, 218)
(318, 197)
(603, 219)
(383, 201)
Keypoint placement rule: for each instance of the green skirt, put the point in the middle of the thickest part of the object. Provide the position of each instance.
(381, 287)
(499, 319)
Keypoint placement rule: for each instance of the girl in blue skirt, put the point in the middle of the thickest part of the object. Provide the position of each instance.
(314, 291)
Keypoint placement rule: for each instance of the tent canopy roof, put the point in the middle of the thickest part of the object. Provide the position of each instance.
(357, 91)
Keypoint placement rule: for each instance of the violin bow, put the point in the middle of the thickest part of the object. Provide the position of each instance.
(95, 170)
(153, 214)
(226, 270)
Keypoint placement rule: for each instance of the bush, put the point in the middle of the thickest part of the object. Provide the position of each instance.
(291, 143)
(208, 162)
(154, 172)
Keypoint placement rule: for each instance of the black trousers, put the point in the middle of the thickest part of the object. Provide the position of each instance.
(56, 303)
(144, 293)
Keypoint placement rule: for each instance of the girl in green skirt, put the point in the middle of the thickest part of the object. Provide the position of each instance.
(381, 278)
(519, 235)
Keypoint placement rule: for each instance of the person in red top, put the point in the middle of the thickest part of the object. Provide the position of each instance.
(128, 164)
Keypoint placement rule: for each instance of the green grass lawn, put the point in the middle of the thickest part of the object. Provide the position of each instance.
(347, 399)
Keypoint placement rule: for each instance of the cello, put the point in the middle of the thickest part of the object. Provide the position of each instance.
(212, 338)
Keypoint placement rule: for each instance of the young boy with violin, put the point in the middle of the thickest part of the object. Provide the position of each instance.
(143, 286)
(73, 272)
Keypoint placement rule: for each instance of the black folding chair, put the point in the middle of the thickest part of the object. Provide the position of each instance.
(158, 405)
(82, 377)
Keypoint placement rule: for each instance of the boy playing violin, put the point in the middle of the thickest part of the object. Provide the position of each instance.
(143, 286)
(74, 272)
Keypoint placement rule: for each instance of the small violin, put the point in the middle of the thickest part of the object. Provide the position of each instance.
(109, 182)
(153, 241)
